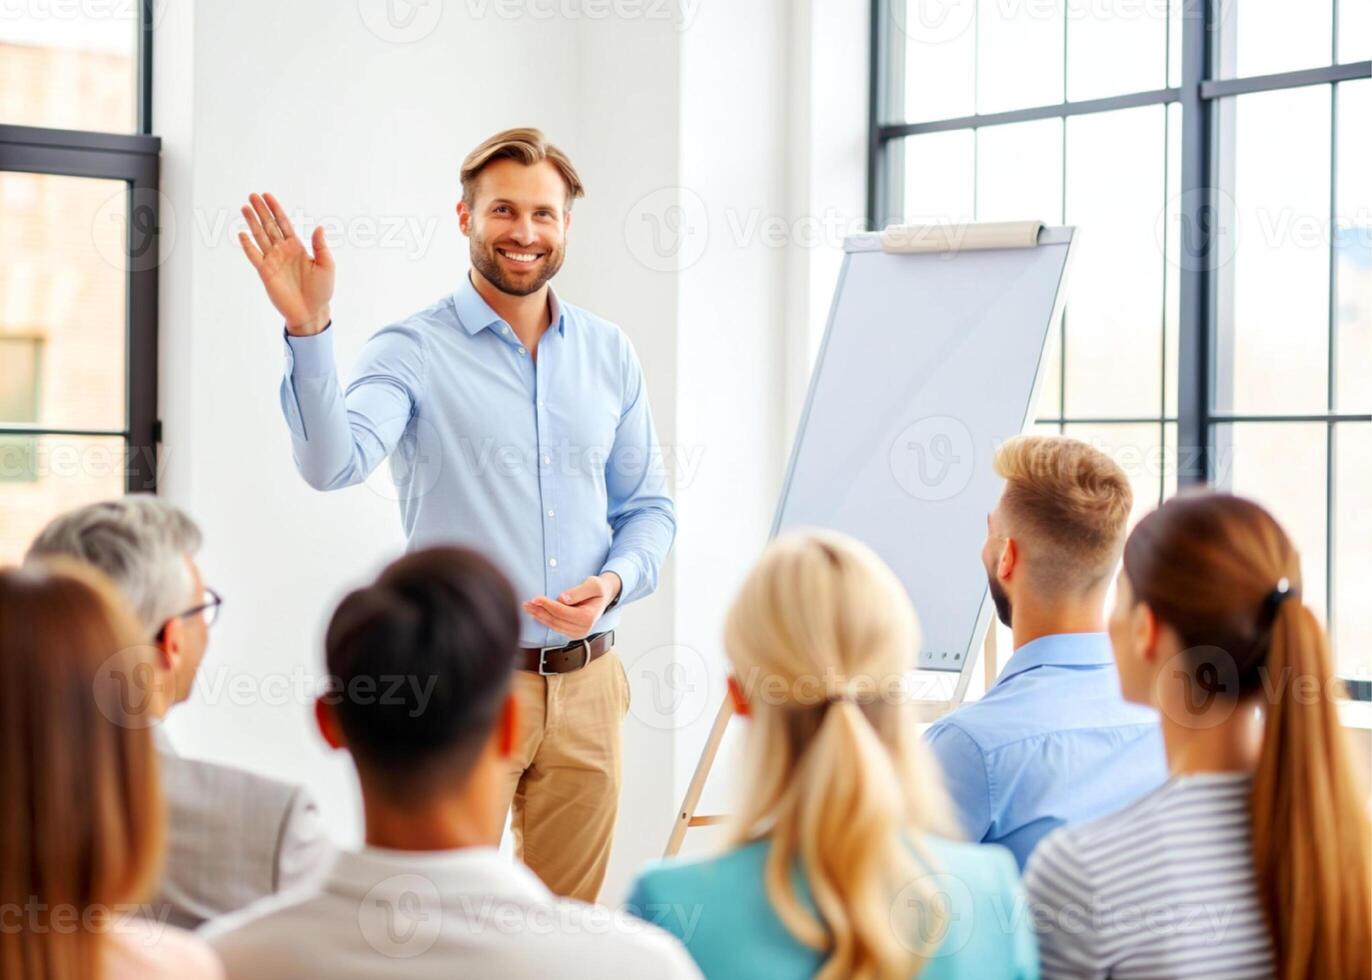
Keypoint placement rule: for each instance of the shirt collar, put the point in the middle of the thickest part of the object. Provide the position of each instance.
(467, 870)
(1060, 649)
(476, 315)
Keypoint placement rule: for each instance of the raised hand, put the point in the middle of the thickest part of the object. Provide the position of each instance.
(299, 284)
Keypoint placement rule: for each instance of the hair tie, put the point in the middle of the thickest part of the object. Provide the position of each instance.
(847, 693)
(1276, 597)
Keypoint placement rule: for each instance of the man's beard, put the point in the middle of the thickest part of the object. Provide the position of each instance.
(487, 262)
(1001, 599)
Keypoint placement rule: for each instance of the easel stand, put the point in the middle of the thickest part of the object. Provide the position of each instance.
(686, 816)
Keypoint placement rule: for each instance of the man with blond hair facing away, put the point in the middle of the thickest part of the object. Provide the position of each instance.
(1053, 741)
(518, 425)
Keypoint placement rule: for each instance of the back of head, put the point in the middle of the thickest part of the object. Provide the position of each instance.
(820, 638)
(1223, 575)
(140, 542)
(83, 824)
(420, 662)
(1068, 505)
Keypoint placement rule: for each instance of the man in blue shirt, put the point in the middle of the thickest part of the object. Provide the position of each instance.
(515, 424)
(1052, 741)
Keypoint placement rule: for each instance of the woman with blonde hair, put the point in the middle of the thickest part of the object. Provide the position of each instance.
(1252, 860)
(81, 821)
(841, 862)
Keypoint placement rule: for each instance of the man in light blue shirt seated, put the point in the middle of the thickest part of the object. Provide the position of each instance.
(1052, 741)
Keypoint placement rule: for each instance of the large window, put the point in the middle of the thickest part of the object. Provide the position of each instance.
(1216, 157)
(78, 261)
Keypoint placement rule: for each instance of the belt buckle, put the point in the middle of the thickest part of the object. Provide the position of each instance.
(543, 657)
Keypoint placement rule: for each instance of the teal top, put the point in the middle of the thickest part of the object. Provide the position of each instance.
(718, 908)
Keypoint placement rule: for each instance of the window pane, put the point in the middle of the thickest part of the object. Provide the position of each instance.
(1171, 270)
(1353, 549)
(41, 476)
(1138, 449)
(1282, 465)
(1176, 11)
(1019, 172)
(940, 57)
(1259, 37)
(69, 65)
(1355, 30)
(1115, 195)
(939, 170)
(1113, 48)
(1019, 54)
(1272, 347)
(1353, 247)
(62, 299)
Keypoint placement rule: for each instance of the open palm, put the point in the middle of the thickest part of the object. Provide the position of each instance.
(299, 284)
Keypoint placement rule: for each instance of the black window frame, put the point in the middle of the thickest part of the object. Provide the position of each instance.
(136, 159)
(1199, 95)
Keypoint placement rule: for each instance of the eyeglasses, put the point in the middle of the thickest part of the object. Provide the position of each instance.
(210, 603)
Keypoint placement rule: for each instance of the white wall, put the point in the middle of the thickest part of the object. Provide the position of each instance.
(713, 109)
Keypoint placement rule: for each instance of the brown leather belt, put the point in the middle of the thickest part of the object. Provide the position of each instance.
(565, 659)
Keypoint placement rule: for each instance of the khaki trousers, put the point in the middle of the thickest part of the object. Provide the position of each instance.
(564, 777)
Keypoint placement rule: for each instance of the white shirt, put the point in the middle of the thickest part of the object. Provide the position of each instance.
(467, 912)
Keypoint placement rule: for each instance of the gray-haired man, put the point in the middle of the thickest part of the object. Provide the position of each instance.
(233, 836)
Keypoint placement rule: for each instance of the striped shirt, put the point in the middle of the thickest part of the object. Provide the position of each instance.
(1163, 888)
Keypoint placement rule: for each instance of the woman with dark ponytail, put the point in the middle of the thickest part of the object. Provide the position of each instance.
(1253, 859)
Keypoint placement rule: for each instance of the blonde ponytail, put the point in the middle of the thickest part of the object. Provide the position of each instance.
(1310, 825)
(840, 785)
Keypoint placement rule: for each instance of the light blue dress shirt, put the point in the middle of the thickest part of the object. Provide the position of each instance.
(718, 907)
(1052, 742)
(549, 466)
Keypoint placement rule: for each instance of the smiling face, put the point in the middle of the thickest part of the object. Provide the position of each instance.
(517, 221)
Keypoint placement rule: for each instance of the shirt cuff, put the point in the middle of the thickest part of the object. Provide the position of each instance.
(312, 356)
(629, 576)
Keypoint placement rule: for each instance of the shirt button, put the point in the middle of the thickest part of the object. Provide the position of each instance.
(550, 513)
(552, 562)
(522, 351)
(547, 460)
(540, 403)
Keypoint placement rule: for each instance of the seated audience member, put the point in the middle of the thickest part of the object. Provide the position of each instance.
(421, 665)
(233, 836)
(81, 832)
(1252, 860)
(1052, 741)
(837, 867)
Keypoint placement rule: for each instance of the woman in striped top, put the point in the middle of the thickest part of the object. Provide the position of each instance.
(1252, 860)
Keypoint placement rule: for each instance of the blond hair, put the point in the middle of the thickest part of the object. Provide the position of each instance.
(525, 145)
(84, 825)
(1070, 503)
(820, 638)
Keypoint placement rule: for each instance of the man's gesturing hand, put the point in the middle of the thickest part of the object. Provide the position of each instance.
(299, 285)
(579, 607)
